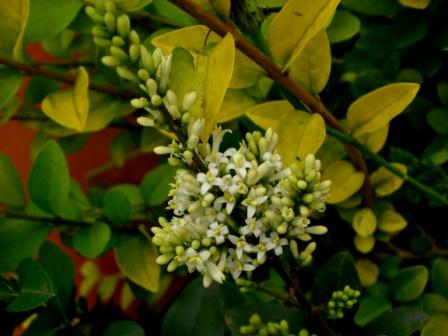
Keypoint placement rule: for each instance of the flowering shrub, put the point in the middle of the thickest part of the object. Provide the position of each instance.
(284, 201)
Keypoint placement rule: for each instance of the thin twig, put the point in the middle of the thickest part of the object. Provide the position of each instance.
(299, 92)
(29, 69)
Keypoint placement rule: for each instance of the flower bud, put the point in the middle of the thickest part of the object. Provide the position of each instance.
(118, 41)
(317, 230)
(189, 100)
(109, 21)
(94, 15)
(134, 52)
(110, 61)
(125, 73)
(123, 25)
(99, 32)
(134, 37)
(151, 85)
(139, 102)
(145, 121)
(101, 42)
(156, 100)
(143, 75)
(163, 150)
(119, 53)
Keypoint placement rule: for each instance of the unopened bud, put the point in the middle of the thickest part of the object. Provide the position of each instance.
(123, 25)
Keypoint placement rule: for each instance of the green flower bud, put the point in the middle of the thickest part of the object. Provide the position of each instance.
(94, 15)
(101, 42)
(110, 6)
(134, 52)
(127, 74)
(119, 53)
(123, 25)
(118, 41)
(134, 37)
(99, 32)
(109, 21)
(189, 100)
(156, 100)
(110, 61)
(143, 75)
(255, 320)
(284, 326)
(139, 102)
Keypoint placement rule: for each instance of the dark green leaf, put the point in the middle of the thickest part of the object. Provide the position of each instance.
(156, 184)
(60, 269)
(124, 328)
(91, 241)
(11, 192)
(442, 92)
(409, 283)
(49, 180)
(196, 312)
(399, 322)
(35, 287)
(373, 7)
(117, 207)
(10, 81)
(433, 303)
(439, 276)
(336, 273)
(19, 239)
(343, 27)
(46, 18)
(6, 290)
(438, 120)
(370, 308)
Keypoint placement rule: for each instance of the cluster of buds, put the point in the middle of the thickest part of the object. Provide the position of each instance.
(257, 327)
(134, 62)
(245, 206)
(342, 300)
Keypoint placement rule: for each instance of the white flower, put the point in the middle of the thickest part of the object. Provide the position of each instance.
(239, 164)
(241, 246)
(218, 232)
(252, 201)
(274, 242)
(207, 180)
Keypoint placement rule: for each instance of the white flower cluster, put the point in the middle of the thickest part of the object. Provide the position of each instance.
(134, 62)
(245, 206)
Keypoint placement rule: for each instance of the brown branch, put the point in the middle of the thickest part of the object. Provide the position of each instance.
(315, 105)
(29, 69)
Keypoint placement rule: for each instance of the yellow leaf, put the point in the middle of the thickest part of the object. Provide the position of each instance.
(221, 6)
(377, 108)
(368, 272)
(389, 220)
(90, 276)
(207, 75)
(126, 297)
(313, 65)
(236, 102)
(107, 287)
(364, 222)
(364, 244)
(196, 38)
(384, 182)
(70, 108)
(136, 257)
(416, 4)
(299, 132)
(375, 140)
(332, 150)
(295, 25)
(13, 19)
(345, 181)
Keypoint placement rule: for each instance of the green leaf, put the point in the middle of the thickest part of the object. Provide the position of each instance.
(35, 287)
(6, 290)
(70, 108)
(156, 184)
(117, 207)
(438, 120)
(343, 27)
(439, 276)
(299, 132)
(389, 220)
(240, 315)
(370, 308)
(402, 321)
(377, 108)
(132, 5)
(436, 326)
(312, 66)
(415, 4)
(19, 239)
(11, 192)
(124, 328)
(13, 19)
(47, 19)
(119, 147)
(10, 81)
(91, 241)
(433, 303)
(336, 273)
(295, 25)
(409, 283)
(442, 92)
(345, 181)
(195, 312)
(136, 257)
(59, 267)
(364, 222)
(373, 7)
(49, 180)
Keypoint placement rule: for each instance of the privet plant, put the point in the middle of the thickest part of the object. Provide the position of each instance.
(281, 204)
